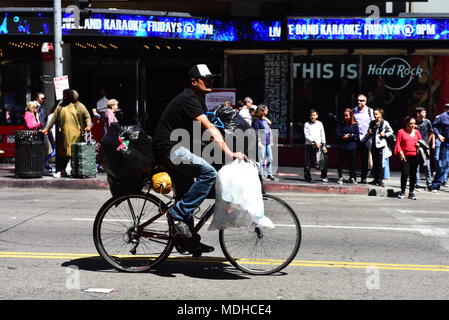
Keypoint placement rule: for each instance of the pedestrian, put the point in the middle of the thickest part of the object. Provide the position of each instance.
(193, 176)
(379, 131)
(31, 118)
(406, 148)
(426, 130)
(347, 137)
(315, 146)
(263, 130)
(363, 115)
(72, 120)
(247, 108)
(101, 105)
(228, 103)
(52, 140)
(441, 131)
(109, 114)
(39, 99)
(238, 105)
(41, 111)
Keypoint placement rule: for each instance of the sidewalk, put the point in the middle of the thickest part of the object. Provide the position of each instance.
(287, 179)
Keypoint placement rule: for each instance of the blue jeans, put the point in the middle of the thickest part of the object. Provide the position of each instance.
(188, 166)
(49, 156)
(387, 168)
(428, 173)
(265, 154)
(442, 166)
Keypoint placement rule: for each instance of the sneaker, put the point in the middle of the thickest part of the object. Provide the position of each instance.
(200, 249)
(352, 180)
(340, 181)
(270, 177)
(401, 195)
(325, 180)
(412, 196)
(444, 184)
(363, 181)
(182, 229)
(434, 191)
(308, 179)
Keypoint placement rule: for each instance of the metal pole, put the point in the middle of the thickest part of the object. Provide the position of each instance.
(58, 38)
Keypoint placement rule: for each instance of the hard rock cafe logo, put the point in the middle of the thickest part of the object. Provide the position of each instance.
(396, 72)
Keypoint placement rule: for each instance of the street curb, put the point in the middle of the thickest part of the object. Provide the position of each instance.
(54, 183)
(99, 184)
(315, 188)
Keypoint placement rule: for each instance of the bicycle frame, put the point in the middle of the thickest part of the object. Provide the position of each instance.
(162, 212)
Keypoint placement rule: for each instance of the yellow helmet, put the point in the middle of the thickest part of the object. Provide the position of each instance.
(161, 183)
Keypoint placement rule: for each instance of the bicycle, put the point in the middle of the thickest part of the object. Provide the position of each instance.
(133, 234)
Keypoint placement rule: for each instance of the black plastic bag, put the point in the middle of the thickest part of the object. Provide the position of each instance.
(126, 155)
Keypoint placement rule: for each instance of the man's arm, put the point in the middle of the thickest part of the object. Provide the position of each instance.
(218, 138)
(436, 124)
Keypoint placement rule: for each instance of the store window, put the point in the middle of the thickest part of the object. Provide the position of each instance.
(13, 93)
(396, 83)
(325, 83)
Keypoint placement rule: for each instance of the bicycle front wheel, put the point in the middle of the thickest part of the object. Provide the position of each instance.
(132, 233)
(262, 251)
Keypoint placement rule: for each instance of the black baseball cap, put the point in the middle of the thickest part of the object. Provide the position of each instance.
(201, 71)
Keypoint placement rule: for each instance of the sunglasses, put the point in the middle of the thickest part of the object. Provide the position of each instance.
(361, 100)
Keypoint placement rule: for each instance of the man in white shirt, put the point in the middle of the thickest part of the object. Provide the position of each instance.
(363, 115)
(101, 106)
(41, 111)
(315, 145)
(245, 112)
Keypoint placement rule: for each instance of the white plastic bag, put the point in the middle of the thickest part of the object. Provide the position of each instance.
(238, 201)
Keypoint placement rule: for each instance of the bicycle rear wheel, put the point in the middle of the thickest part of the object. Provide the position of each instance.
(262, 251)
(132, 234)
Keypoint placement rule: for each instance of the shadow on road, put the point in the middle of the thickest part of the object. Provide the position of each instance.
(214, 268)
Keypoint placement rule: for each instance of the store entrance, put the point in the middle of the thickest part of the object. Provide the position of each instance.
(160, 81)
(14, 86)
(117, 79)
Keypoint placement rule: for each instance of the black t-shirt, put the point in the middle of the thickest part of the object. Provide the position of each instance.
(179, 114)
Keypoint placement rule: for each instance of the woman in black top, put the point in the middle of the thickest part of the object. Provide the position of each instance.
(347, 137)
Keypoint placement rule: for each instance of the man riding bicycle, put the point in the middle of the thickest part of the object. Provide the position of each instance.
(193, 176)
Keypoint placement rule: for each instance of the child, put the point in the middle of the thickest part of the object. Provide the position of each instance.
(315, 146)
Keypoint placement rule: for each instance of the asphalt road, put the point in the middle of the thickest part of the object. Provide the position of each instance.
(353, 247)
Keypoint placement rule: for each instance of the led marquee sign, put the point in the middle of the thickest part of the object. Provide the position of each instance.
(143, 26)
(367, 29)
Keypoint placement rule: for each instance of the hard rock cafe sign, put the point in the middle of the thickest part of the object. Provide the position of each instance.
(396, 72)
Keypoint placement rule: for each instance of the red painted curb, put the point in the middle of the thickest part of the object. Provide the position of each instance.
(286, 187)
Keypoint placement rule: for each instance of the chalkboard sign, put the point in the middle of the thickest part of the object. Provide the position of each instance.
(277, 84)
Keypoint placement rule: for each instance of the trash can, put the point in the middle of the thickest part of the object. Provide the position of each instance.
(29, 161)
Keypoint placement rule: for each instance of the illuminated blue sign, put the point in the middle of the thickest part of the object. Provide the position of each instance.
(367, 29)
(144, 26)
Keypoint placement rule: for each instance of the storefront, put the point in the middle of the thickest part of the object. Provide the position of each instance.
(136, 57)
(292, 64)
